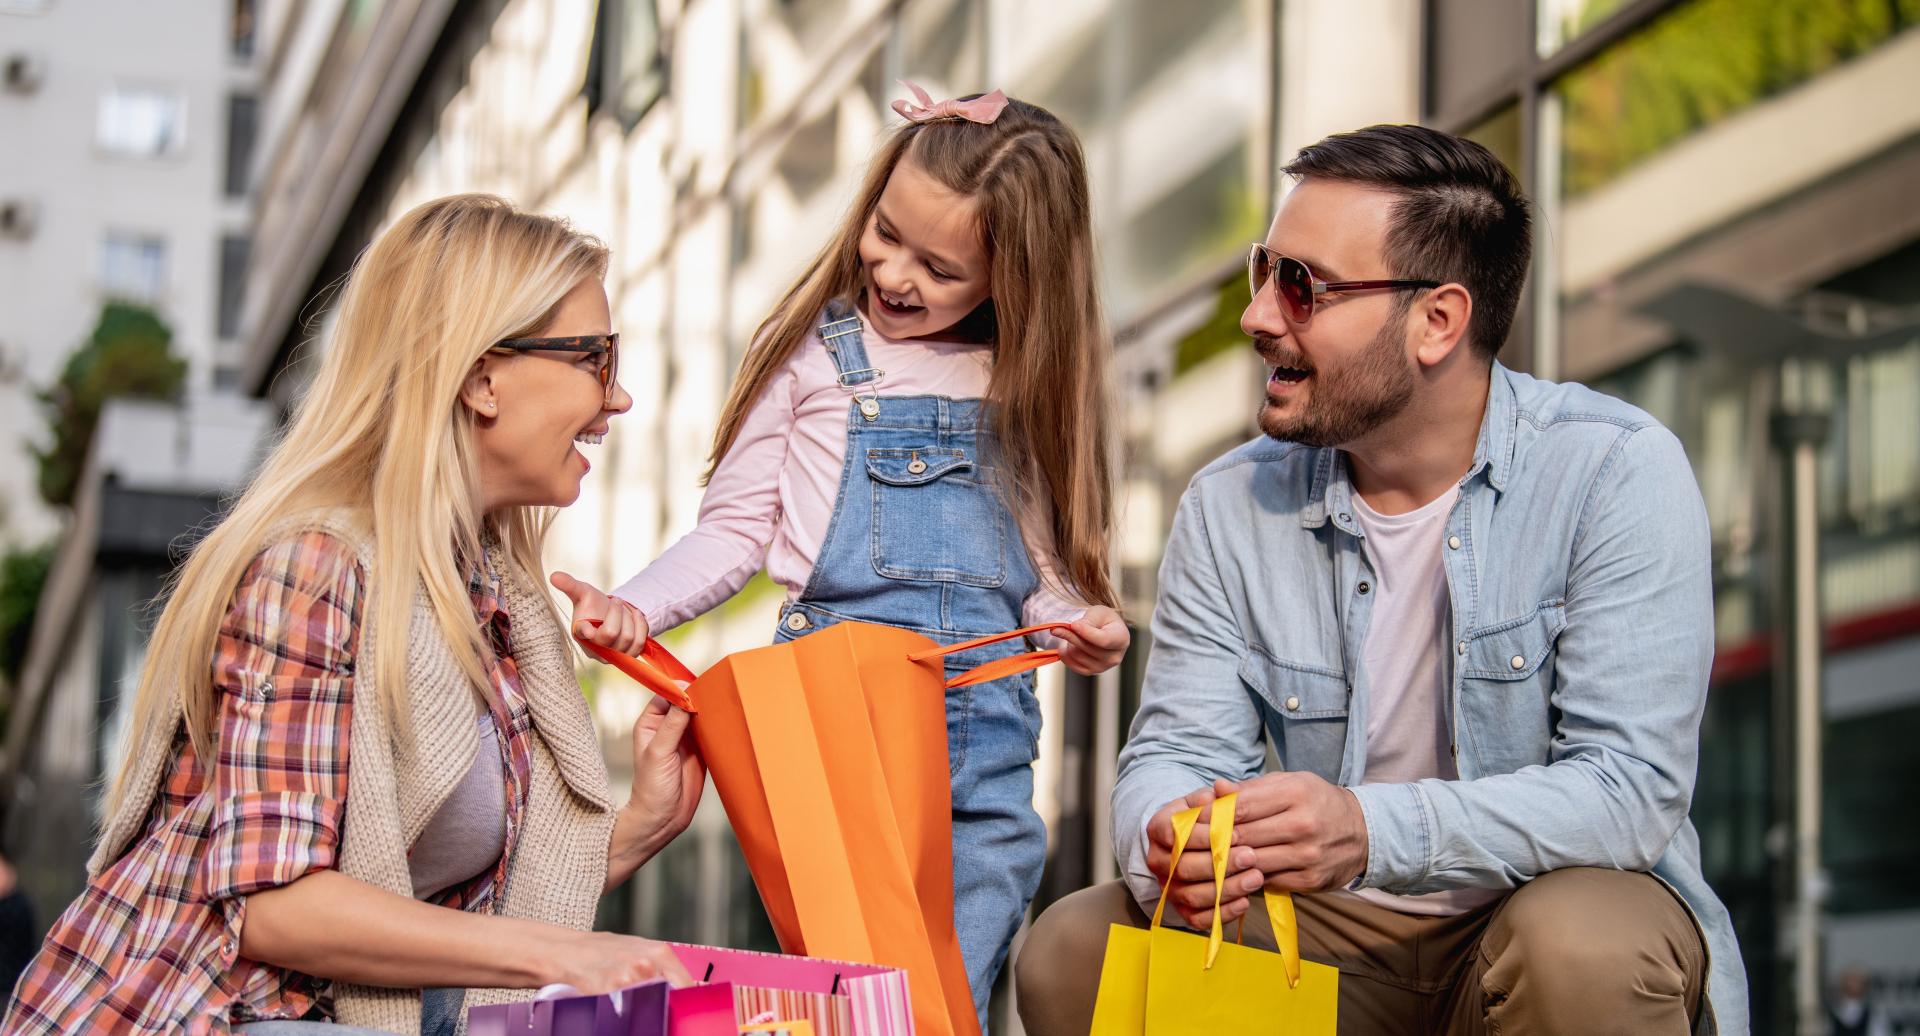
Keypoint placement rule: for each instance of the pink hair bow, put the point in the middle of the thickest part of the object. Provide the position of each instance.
(983, 109)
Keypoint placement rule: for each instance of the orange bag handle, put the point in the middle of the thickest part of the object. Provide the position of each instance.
(999, 667)
(656, 669)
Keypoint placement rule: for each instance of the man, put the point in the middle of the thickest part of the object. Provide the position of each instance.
(1469, 612)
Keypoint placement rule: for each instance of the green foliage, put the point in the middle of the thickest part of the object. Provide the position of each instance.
(22, 574)
(1701, 63)
(1221, 330)
(129, 353)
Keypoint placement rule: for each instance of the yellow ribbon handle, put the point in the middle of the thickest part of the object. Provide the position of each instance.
(1286, 933)
(1286, 927)
(1183, 822)
(1220, 842)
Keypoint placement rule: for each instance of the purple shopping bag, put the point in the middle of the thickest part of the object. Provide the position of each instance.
(635, 1011)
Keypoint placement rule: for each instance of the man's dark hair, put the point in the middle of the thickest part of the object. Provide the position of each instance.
(1460, 216)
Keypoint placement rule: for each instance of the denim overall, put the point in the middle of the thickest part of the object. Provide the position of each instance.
(921, 540)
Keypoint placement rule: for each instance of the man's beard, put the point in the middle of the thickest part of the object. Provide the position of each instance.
(1348, 402)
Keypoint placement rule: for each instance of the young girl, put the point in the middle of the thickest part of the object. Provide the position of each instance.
(918, 437)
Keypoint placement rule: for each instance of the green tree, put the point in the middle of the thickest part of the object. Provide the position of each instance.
(129, 353)
(22, 574)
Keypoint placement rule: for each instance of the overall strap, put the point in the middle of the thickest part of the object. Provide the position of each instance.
(840, 333)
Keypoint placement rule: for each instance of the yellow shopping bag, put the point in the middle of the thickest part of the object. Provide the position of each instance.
(1167, 982)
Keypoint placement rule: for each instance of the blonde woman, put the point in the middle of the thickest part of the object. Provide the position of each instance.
(362, 768)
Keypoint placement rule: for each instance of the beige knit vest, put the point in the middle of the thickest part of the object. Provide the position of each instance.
(560, 861)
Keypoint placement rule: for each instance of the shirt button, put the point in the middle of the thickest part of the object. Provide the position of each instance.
(1364, 587)
(1453, 542)
(796, 621)
(1463, 647)
(1519, 662)
(1293, 704)
(1345, 517)
(917, 466)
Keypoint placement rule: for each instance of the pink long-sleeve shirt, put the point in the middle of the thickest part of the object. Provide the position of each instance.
(772, 497)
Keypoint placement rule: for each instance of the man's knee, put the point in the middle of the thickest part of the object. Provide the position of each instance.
(1057, 971)
(1572, 935)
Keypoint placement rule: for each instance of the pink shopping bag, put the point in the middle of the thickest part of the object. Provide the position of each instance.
(835, 998)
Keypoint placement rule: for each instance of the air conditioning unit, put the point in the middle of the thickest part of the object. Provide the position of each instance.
(22, 73)
(19, 218)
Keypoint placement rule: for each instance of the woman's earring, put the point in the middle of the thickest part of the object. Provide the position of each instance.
(490, 407)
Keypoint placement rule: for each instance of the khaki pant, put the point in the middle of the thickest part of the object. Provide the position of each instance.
(1583, 950)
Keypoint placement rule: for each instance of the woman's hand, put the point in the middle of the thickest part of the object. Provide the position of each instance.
(606, 621)
(600, 962)
(1095, 643)
(668, 778)
(326, 924)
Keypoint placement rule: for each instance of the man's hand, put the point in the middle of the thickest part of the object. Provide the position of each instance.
(1307, 835)
(1292, 832)
(1192, 893)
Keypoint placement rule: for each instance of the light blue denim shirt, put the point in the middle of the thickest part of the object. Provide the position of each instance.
(1578, 563)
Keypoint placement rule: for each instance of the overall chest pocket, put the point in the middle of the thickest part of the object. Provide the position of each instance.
(935, 518)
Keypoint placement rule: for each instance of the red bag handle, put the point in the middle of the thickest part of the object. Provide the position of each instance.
(656, 669)
(999, 667)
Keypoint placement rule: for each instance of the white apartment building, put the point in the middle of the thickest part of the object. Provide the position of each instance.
(125, 127)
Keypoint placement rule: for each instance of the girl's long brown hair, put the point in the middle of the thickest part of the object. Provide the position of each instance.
(1048, 392)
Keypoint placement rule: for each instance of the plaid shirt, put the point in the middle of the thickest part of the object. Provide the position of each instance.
(152, 944)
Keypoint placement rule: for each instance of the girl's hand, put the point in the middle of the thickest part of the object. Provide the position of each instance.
(668, 777)
(1096, 643)
(606, 621)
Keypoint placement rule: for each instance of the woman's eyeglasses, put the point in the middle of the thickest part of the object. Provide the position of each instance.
(604, 348)
(1299, 287)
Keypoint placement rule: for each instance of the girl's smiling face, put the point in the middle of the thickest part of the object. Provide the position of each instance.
(925, 261)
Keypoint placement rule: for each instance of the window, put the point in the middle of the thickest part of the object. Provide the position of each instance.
(242, 28)
(133, 266)
(1561, 21)
(233, 283)
(945, 44)
(807, 160)
(626, 68)
(243, 114)
(142, 122)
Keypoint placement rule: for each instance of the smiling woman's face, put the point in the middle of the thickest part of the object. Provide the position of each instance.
(537, 411)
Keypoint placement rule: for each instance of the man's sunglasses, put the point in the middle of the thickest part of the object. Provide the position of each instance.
(605, 349)
(1299, 287)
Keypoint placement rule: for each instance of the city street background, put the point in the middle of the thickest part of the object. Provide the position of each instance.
(1728, 220)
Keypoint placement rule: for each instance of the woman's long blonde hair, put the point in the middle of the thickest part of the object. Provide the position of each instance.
(382, 434)
(1049, 409)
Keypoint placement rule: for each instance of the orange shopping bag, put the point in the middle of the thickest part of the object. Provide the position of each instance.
(1166, 982)
(830, 755)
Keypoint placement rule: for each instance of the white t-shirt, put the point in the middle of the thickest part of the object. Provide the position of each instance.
(1409, 669)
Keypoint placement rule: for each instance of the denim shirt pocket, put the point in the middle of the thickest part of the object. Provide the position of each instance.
(936, 518)
(1311, 704)
(1517, 648)
(1506, 692)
